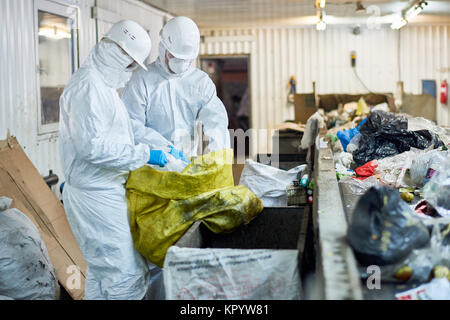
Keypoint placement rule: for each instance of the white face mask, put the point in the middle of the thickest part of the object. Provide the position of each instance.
(179, 65)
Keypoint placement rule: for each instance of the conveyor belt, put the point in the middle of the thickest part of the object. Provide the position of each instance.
(336, 263)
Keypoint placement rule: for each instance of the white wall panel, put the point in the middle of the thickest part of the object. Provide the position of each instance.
(324, 57)
(425, 55)
(18, 79)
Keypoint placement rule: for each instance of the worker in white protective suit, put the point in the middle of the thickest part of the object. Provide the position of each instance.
(173, 97)
(98, 150)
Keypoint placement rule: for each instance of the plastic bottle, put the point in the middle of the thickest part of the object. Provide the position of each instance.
(305, 180)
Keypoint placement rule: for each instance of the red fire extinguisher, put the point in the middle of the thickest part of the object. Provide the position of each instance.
(444, 92)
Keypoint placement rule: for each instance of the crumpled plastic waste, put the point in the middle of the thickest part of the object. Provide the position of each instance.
(342, 171)
(354, 143)
(422, 163)
(352, 189)
(336, 118)
(381, 107)
(344, 158)
(437, 190)
(163, 205)
(409, 169)
(269, 183)
(392, 170)
(310, 133)
(436, 289)
(346, 136)
(353, 186)
(386, 134)
(27, 272)
(419, 123)
(383, 228)
(366, 170)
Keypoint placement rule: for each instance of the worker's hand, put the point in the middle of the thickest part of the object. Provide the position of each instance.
(157, 157)
(178, 154)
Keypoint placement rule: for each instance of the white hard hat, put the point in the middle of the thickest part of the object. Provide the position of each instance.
(132, 38)
(181, 38)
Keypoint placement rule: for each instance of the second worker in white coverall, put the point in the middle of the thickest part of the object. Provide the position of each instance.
(167, 100)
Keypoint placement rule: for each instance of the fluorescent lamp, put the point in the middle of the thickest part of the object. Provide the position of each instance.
(399, 23)
(413, 11)
(321, 25)
(320, 3)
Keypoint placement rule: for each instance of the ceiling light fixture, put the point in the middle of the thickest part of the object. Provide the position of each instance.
(399, 23)
(413, 11)
(321, 24)
(320, 3)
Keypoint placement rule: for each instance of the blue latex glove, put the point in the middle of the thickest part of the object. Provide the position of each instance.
(157, 157)
(178, 154)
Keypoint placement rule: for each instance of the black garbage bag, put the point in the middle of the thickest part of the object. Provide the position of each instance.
(385, 134)
(381, 121)
(383, 229)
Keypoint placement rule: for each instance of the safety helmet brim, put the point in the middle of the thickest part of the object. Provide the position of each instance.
(127, 51)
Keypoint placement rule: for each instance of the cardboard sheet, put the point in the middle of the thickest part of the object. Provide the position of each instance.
(304, 106)
(20, 181)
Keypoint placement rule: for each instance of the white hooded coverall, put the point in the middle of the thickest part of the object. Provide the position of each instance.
(98, 150)
(165, 106)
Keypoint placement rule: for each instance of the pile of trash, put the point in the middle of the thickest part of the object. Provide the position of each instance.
(394, 173)
(408, 249)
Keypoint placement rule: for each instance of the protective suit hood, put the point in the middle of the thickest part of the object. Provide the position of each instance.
(111, 62)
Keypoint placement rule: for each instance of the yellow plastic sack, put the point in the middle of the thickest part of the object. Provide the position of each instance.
(362, 108)
(163, 205)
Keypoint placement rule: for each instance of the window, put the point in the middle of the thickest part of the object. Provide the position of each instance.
(57, 59)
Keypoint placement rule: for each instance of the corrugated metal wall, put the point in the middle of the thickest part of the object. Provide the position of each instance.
(425, 54)
(18, 84)
(324, 57)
